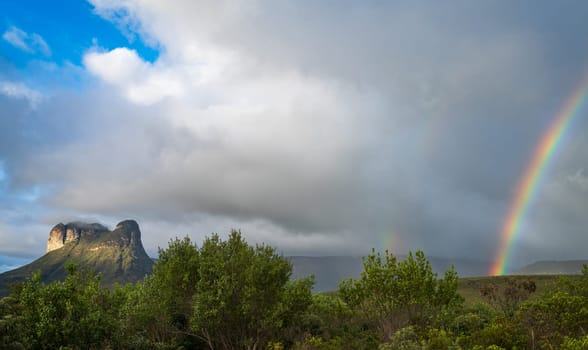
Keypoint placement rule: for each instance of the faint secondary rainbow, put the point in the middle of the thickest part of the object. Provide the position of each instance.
(390, 240)
(535, 171)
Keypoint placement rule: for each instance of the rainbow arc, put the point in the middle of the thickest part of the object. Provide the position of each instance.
(534, 174)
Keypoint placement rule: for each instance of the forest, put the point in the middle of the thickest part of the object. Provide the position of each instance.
(227, 294)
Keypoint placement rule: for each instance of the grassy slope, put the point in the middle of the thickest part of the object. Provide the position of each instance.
(469, 287)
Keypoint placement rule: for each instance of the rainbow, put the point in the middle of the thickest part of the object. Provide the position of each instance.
(534, 173)
(390, 240)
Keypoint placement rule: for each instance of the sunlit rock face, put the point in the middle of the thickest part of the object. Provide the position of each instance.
(56, 237)
(61, 234)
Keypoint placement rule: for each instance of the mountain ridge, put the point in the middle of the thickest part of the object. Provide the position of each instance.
(118, 255)
(330, 270)
(552, 267)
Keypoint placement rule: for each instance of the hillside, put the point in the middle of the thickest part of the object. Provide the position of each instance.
(118, 254)
(547, 267)
(330, 270)
(327, 270)
(469, 287)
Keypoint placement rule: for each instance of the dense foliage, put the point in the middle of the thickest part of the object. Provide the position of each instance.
(227, 294)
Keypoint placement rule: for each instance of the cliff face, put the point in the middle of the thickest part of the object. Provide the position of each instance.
(118, 255)
(129, 232)
(62, 234)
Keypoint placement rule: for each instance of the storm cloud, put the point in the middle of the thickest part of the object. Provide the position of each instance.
(319, 127)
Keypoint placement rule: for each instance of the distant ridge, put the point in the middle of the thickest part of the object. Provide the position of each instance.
(120, 258)
(118, 255)
(553, 267)
(330, 270)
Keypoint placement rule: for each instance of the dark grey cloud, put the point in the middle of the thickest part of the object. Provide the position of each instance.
(319, 127)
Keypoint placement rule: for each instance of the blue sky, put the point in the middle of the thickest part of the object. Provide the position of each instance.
(44, 44)
(317, 127)
(69, 29)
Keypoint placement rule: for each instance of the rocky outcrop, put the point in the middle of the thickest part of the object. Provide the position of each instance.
(118, 255)
(62, 234)
(129, 230)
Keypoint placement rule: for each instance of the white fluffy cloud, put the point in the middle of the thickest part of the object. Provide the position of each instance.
(140, 81)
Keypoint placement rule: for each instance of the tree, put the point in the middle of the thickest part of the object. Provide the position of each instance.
(397, 294)
(77, 312)
(240, 293)
(559, 313)
(175, 276)
(158, 310)
(12, 324)
(508, 298)
(292, 310)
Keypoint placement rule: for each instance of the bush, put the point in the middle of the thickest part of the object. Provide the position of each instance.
(395, 294)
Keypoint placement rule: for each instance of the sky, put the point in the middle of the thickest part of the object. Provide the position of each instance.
(318, 127)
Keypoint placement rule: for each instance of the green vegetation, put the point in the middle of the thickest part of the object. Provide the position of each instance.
(227, 294)
(469, 287)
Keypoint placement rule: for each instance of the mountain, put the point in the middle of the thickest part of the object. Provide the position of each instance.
(120, 257)
(330, 270)
(118, 254)
(547, 267)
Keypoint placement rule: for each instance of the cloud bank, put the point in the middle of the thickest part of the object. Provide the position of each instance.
(321, 129)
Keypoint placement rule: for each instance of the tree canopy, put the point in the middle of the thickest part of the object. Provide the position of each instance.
(227, 294)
